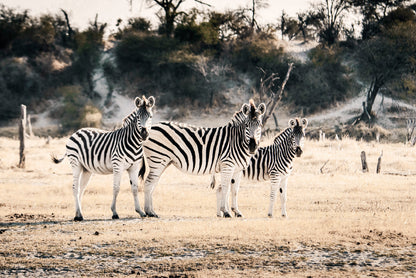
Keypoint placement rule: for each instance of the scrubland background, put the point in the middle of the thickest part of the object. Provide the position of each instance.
(342, 222)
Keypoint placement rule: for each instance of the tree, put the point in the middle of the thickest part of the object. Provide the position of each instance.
(331, 13)
(171, 11)
(373, 12)
(256, 4)
(385, 58)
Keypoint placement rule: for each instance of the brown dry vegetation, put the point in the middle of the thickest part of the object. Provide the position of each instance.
(341, 222)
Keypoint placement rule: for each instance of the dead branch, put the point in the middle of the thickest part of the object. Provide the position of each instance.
(323, 166)
(275, 98)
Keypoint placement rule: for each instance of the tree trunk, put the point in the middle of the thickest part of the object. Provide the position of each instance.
(372, 93)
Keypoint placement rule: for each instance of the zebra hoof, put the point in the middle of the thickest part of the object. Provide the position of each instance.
(227, 215)
(78, 218)
(270, 215)
(115, 217)
(142, 214)
(238, 215)
(152, 214)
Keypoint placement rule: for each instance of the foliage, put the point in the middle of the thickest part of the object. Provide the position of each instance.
(75, 111)
(134, 25)
(87, 54)
(19, 84)
(321, 82)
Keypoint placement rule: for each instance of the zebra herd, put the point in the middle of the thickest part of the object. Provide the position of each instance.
(146, 150)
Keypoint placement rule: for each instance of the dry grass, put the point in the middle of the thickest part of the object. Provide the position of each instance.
(341, 222)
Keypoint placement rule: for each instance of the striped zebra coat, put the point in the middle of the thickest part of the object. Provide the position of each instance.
(274, 163)
(110, 152)
(199, 150)
(411, 135)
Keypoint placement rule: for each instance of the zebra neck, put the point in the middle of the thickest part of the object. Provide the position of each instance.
(284, 142)
(238, 119)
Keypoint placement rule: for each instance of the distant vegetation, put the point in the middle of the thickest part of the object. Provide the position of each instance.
(199, 56)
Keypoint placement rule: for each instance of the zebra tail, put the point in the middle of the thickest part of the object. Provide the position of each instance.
(57, 160)
(143, 169)
(212, 185)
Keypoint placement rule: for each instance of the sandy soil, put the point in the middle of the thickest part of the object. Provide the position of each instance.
(342, 222)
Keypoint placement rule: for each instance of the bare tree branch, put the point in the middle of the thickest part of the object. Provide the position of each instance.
(275, 98)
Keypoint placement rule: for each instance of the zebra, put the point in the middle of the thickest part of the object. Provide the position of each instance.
(91, 150)
(200, 150)
(411, 136)
(274, 163)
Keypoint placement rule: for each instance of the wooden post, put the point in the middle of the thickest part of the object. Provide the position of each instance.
(22, 133)
(379, 163)
(364, 162)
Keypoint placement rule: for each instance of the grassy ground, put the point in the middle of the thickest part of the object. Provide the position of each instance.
(342, 222)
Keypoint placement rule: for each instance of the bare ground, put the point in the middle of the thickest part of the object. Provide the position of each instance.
(341, 222)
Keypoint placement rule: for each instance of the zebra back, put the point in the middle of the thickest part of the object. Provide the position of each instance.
(277, 158)
(99, 150)
(199, 149)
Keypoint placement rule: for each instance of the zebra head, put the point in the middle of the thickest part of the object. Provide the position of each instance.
(298, 134)
(253, 124)
(144, 115)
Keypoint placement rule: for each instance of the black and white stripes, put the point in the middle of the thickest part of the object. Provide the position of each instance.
(411, 134)
(198, 150)
(105, 152)
(274, 163)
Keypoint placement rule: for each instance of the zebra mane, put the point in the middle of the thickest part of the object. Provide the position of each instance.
(238, 118)
(279, 138)
(128, 119)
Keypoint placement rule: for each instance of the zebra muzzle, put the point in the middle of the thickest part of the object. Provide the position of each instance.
(298, 151)
(252, 146)
(144, 134)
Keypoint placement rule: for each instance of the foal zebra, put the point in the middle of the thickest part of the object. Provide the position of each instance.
(198, 150)
(274, 163)
(411, 135)
(92, 150)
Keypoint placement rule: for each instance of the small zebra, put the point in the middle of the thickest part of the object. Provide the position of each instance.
(91, 150)
(199, 150)
(274, 163)
(411, 135)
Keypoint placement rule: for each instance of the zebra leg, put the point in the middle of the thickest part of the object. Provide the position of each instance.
(275, 182)
(156, 170)
(283, 195)
(85, 178)
(116, 190)
(76, 171)
(133, 175)
(226, 175)
(219, 194)
(235, 186)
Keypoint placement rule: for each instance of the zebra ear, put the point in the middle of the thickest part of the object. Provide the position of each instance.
(292, 123)
(261, 108)
(245, 108)
(304, 122)
(150, 102)
(138, 101)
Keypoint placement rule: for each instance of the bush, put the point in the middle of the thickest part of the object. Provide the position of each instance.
(19, 84)
(321, 82)
(76, 112)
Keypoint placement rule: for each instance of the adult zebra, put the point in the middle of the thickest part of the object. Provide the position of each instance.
(274, 163)
(91, 150)
(199, 150)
